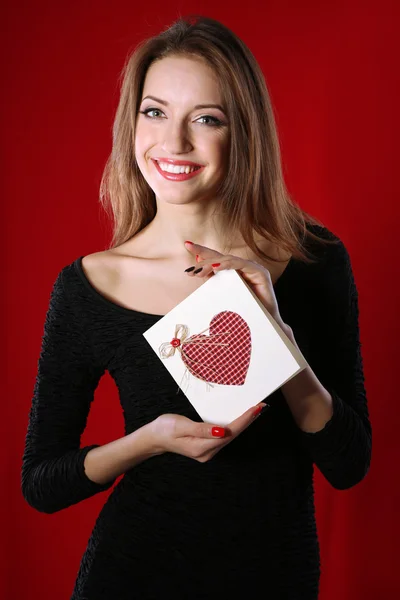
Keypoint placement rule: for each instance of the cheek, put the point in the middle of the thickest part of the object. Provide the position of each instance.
(221, 146)
(140, 149)
(143, 139)
(213, 147)
(138, 143)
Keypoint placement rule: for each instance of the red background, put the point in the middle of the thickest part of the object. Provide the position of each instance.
(332, 70)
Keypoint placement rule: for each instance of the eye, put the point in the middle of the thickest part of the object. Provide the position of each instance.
(149, 110)
(214, 121)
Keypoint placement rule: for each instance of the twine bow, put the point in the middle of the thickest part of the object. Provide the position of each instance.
(181, 339)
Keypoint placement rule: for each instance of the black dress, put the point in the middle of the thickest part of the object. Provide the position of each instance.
(241, 525)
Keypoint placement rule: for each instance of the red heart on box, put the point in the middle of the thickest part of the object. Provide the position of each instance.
(223, 356)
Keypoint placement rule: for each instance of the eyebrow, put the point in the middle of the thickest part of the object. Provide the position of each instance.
(198, 106)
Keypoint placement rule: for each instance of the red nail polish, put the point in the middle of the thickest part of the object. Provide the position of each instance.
(216, 265)
(187, 242)
(257, 411)
(218, 431)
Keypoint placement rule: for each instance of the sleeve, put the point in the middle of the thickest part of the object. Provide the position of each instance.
(53, 475)
(342, 449)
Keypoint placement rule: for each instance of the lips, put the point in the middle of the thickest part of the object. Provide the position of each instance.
(178, 163)
(178, 176)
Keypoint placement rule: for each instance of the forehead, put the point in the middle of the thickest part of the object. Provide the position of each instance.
(182, 79)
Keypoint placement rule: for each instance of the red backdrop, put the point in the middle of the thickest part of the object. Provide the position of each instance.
(332, 70)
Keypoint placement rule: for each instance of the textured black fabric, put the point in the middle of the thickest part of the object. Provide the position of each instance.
(241, 525)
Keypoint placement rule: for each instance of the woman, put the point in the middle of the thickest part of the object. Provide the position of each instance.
(194, 184)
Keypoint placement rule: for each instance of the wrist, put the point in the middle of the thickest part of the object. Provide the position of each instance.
(104, 463)
(150, 438)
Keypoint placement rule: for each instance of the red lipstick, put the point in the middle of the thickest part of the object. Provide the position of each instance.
(178, 176)
(178, 163)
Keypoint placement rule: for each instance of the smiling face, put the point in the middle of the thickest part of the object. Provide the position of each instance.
(182, 127)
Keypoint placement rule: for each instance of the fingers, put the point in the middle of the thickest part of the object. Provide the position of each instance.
(203, 250)
(201, 441)
(204, 267)
(242, 422)
(178, 426)
(208, 431)
(208, 266)
(212, 431)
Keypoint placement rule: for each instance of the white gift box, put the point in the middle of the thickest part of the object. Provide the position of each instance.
(223, 332)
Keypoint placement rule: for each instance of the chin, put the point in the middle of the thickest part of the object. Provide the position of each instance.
(175, 198)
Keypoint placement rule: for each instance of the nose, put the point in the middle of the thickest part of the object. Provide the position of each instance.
(176, 140)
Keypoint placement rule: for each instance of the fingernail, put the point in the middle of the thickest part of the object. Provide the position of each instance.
(189, 269)
(216, 264)
(198, 270)
(187, 242)
(197, 258)
(260, 409)
(218, 431)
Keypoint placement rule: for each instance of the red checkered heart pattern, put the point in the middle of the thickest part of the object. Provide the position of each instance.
(223, 356)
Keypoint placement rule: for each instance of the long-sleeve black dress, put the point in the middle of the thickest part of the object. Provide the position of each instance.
(240, 525)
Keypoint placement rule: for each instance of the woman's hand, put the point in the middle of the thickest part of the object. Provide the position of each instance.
(257, 276)
(200, 441)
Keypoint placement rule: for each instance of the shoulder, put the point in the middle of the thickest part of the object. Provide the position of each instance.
(331, 276)
(335, 278)
(327, 254)
(320, 231)
(75, 282)
(102, 269)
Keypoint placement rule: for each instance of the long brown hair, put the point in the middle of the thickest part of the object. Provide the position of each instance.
(253, 195)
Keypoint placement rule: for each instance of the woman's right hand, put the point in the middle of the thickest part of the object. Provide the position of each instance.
(200, 441)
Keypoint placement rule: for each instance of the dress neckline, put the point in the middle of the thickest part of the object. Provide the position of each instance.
(132, 312)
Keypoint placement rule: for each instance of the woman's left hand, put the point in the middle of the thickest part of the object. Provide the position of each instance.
(255, 275)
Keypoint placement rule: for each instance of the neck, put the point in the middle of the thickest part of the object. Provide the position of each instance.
(174, 224)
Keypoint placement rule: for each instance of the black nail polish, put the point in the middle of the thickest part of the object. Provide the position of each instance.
(189, 269)
(198, 270)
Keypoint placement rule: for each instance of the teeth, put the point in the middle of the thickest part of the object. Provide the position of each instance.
(177, 168)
